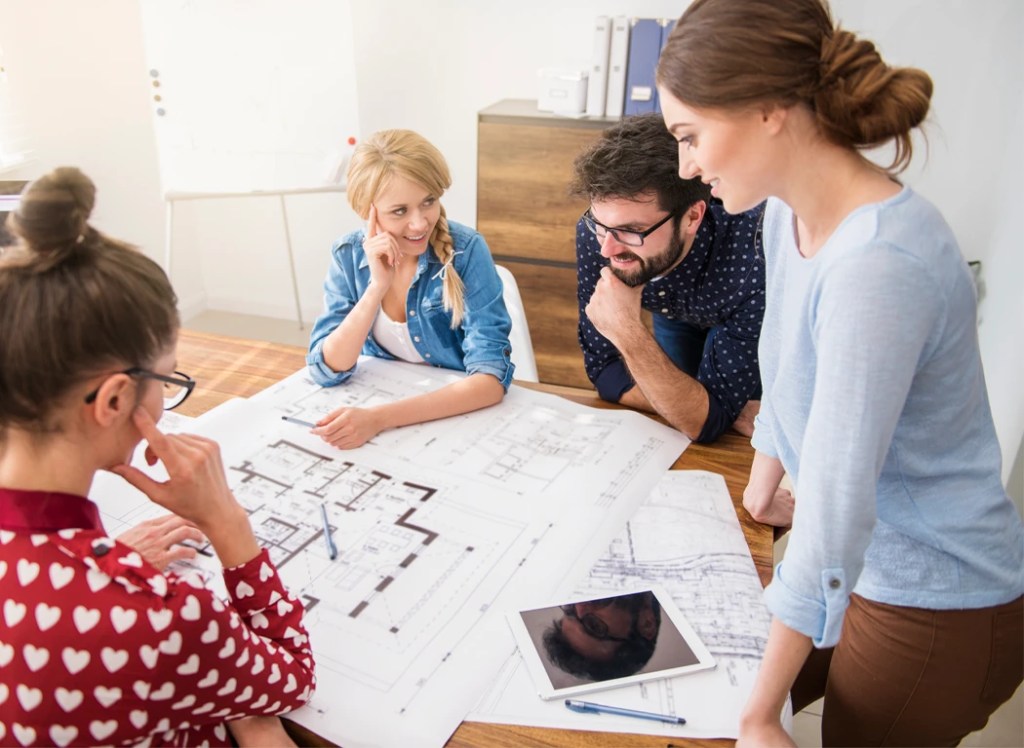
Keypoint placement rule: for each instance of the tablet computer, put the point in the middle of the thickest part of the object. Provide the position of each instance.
(578, 646)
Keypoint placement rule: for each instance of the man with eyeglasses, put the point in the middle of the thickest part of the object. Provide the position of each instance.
(604, 639)
(653, 241)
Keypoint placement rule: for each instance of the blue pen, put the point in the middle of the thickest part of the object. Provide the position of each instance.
(587, 707)
(332, 549)
(298, 422)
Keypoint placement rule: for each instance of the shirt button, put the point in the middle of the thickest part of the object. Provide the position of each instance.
(426, 355)
(412, 312)
(417, 338)
(834, 583)
(101, 549)
(661, 293)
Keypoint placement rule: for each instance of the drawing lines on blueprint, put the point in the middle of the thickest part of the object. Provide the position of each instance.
(729, 621)
(379, 596)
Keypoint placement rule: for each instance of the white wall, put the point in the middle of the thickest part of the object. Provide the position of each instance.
(432, 65)
(76, 71)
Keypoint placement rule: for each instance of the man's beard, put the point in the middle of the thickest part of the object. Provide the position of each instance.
(651, 267)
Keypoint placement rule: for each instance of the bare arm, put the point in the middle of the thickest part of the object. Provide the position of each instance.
(760, 722)
(347, 428)
(256, 732)
(660, 386)
(614, 310)
(763, 498)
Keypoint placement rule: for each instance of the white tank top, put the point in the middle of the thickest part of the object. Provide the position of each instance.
(394, 338)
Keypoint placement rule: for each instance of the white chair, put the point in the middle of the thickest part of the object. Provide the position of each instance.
(522, 345)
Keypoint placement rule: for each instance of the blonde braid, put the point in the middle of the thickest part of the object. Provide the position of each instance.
(453, 289)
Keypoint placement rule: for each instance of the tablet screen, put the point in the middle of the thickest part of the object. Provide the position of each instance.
(578, 646)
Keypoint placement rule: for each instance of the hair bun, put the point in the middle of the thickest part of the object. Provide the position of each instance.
(54, 210)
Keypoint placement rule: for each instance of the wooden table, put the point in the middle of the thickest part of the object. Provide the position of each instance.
(226, 367)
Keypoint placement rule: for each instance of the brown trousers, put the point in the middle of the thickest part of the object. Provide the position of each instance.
(910, 676)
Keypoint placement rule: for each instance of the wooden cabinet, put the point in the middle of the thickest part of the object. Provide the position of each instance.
(524, 165)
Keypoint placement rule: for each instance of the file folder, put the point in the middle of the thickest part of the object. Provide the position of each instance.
(644, 48)
(667, 24)
(618, 58)
(597, 83)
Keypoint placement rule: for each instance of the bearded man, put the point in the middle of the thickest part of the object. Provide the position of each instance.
(651, 240)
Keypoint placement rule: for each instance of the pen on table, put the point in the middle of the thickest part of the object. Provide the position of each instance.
(298, 422)
(587, 707)
(332, 549)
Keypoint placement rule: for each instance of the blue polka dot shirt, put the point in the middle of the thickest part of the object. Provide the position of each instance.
(719, 284)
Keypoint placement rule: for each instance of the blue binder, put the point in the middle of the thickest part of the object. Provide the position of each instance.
(667, 24)
(644, 48)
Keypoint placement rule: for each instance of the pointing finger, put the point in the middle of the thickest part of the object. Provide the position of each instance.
(371, 228)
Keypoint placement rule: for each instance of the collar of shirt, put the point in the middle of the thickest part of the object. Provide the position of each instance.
(45, 511)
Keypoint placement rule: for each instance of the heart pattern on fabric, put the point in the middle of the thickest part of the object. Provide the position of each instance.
(14, 612)
(85, 618)
(60, 576)
(35, 657)
(95, 653)
(68, 700)
(122, 619)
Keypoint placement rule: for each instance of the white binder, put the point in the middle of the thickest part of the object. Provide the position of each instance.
(597, 84)
(618, 58)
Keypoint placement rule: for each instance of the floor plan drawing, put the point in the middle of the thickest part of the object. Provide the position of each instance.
(531, 443)
(436, 527)
(687, 539)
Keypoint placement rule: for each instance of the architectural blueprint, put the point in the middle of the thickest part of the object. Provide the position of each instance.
(685, 537)
(531, 443)
(436, 526)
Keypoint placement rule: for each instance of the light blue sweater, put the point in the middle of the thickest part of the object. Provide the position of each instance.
(875, 402)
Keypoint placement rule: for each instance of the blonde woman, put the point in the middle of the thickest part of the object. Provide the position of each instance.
(412, 286)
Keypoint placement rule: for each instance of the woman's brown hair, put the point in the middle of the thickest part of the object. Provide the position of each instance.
(738, 53)
(73, 302)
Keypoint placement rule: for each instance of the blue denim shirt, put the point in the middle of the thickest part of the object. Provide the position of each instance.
(479, 344)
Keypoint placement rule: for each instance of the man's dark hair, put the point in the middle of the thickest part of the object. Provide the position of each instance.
(628, 659)
(635, 156)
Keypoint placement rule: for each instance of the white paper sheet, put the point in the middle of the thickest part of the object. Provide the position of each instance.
(685, 537)
(437, 525)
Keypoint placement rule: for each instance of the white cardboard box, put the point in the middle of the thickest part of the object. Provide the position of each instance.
(562, 91)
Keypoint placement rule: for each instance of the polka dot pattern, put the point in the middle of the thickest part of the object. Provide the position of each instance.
(719, 284)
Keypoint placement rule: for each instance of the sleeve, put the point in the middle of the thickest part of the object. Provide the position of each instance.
(216, 662)
(486, 322)
(872, 318)
(763, 440)
(729, 370)
(340, 296)
(602, 360)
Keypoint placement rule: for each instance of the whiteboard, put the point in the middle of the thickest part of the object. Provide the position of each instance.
(249, 94)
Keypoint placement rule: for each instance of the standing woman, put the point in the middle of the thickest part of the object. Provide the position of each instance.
(413, 286)
(97, 646)
(904, 568)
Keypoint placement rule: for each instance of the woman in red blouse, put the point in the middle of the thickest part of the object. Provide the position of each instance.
(97, 646)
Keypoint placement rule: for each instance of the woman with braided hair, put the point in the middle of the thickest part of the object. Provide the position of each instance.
(412, 286)
(899, 598)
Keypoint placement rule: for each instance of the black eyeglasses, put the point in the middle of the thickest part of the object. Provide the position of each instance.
(622, 236)
(176, 388)
(593, 625)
